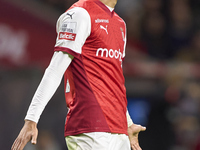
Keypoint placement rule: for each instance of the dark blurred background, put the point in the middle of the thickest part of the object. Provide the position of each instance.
(162, 70)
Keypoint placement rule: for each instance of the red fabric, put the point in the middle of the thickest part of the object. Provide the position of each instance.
(85, 113)
(97, 98)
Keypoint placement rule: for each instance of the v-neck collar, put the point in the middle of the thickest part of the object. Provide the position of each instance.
(104, 7)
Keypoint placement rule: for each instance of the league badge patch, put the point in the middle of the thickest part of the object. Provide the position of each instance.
(68, 31)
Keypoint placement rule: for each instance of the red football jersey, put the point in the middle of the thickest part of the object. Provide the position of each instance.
(94, 82)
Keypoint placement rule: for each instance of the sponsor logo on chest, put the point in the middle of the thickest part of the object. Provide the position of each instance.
(104, 52)
(102, 20)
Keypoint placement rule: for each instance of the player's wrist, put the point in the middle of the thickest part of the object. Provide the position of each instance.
(30, 123)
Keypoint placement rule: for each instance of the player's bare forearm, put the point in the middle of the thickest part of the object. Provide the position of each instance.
(28, 133)
(133, 132)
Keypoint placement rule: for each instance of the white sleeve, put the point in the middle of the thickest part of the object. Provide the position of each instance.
(125, 41)
(129, 120)
(73, 27)
(48, 85)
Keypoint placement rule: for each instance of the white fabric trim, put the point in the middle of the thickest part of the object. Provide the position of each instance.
(110, 8)
(129, 120)
(48, 85)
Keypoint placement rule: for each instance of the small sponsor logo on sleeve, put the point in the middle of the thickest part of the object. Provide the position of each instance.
(69, 27)
(67, 31)
(70, 15)
(67, 36)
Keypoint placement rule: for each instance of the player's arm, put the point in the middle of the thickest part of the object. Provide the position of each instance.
(47, 87)
(133, 132)
(77, 22)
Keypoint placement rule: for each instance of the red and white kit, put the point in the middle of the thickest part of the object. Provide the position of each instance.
(94, 83)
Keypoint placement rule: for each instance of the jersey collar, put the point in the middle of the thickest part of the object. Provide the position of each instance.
(104, 7)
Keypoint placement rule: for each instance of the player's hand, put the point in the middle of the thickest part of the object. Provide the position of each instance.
(133, 132)
(29, 132)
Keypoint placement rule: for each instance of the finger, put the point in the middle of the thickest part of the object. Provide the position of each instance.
(34, 138)
(143, 128)
(20, 145)
(23, 141)
(133, 147)
(140, 128)
(14, 145)
(33, 141)
(136, 147)
(17, 144)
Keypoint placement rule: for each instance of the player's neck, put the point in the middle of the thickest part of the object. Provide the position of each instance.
(110, 3)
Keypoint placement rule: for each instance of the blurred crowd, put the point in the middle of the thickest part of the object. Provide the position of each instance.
(157, 29)
(161, 31)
